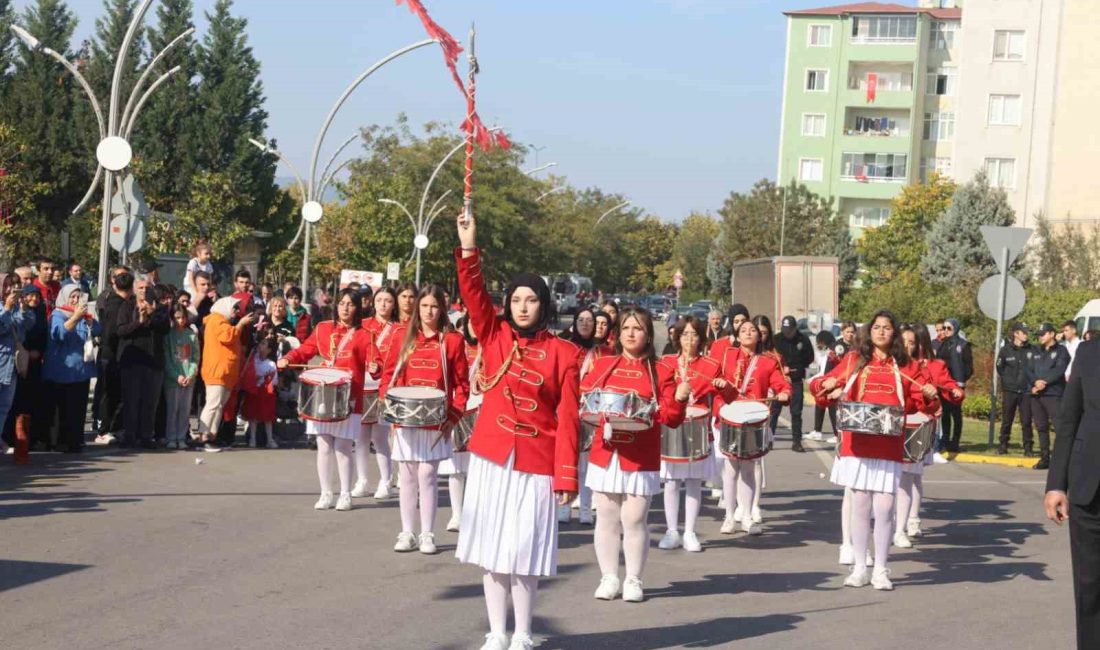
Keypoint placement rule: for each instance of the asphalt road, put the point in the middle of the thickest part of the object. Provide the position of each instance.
(116, 550)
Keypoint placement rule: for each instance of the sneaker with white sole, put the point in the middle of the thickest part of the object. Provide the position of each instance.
(859, 577)
(521, 642)
(564, 514)
(405, 542)
(452, 523)
(815, 435)
(847, 555)
(670, 541)
(211, 448)
(427, 544)
(344, 502)
(360, 490)
(383, 491)
(757, 516)
(939, 459)
(632, 590)
(751, 527)
(901, 541)
(831, 440)
(609, 588)
(912, 528)
(738, 513)
(880, 579)
(585, 517)
(728, 526)
(495, 642)
(691, 542)
(325, 502)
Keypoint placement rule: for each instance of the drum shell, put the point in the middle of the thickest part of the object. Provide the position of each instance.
(324, 402)
(419, 412)
(744, 441)
(625, 411)
(588, 435)
(871, 419)
(371, 407)
(919, 441)
(464, 430)
(686, 443)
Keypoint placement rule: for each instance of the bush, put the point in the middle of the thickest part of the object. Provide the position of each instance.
(976, 406)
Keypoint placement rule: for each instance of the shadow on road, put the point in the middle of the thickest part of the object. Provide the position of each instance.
(14, 573)
(704, 634)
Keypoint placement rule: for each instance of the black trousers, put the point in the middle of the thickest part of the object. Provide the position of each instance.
(796, 411)
(72, 402)
(141, 387)
(1011, 402)
(1044, 409)
(1084, 540)
(952, 422)
(108, 397)
(819, 417)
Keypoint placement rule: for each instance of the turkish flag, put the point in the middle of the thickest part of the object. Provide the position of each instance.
(872, 86)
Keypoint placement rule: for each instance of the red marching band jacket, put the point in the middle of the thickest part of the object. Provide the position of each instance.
(767, 377)
(355, 356)
(384, 334)
(530, 390)
(424, 367)
(701, 372)
(876, 383)
(639, 451)
(935, 372)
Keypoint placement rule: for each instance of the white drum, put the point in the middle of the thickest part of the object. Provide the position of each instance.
(920, 437)
(464, 430)
(371, 403)
(415, 406)
(324, 394)
(743, 430)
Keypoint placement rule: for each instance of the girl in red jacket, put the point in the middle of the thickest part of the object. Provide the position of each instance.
(383, 327)
(624, 466)
(258, 379)
(428, 356)
(879, 373)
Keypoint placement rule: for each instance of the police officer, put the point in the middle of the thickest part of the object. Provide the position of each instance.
(1012, 367)
(1047, 377)
(798, 354)
(956, 353)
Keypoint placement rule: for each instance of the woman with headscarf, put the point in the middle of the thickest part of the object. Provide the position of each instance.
(69, 366)
(15, 320)
(30, 410)
(589, 348)
(523, 452)
(221, 363)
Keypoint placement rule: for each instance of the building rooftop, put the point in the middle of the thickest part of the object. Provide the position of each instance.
(876, 8)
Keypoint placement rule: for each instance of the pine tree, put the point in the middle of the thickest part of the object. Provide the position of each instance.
(163, 134)
(6, 45)
(97, 59)
(230, 102)
(957, 254)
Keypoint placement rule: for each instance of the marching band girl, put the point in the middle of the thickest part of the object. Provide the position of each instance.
(700, 371)
(767, 348)
(603, 329)
(624, 466)
(879, 373)
(382, 326)
(717, 350)
(428, 356)
(406, 302)
(589, 348)
(611, 308)
(342, 343)
(524, 447)
(455, 467)
(749, 372)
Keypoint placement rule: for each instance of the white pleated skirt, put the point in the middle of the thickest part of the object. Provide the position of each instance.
(347, 429)
(868, 474)
(509, 523)
(420, 445)
(700, 470)
(458, 463)
(614, 480)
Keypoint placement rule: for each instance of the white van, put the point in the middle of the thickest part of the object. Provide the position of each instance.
(1088, 318)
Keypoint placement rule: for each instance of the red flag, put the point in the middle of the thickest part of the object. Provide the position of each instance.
(451, 50)
(872, 86)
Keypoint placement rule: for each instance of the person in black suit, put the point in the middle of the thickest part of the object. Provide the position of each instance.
(1073, 486)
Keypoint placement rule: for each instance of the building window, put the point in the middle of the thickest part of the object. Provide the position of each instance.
(811, 169)
(934, 164)
(821, 35)
(873, 166)
(1001, 172)
(817, 80)
(813, 124)
(884, 29)
(868, 217)
(943, 34)
(1004, 109)
(939, 126)
(942, 81)
(877, 125)
(894, 81)
(1008, 45)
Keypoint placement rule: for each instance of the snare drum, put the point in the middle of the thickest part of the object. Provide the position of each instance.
(688, 442)
(464, 430)
(743, 431)
(920, 437)
(624, 411)
(871, 419)
(415, 406)
(370, 400)
(588, 434)
(324, 394)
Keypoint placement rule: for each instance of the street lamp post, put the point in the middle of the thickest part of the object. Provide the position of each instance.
(532, 172)
(614, 209)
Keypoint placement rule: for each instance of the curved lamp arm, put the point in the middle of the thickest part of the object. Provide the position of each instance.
(436, 209)
(408, 214)
(126, 112)
(328, 165)
(294, 170)
(331, 177)
(128, 128)
(113, 124)
(91, 190)
(617, 207)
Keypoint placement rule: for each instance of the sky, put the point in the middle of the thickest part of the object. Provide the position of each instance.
(672, 103)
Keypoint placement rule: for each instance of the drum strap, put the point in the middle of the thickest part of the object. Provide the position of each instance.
(748, 374)
(866, 369)
(340, 348)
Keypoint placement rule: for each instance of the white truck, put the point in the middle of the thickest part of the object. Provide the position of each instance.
(807, 288)
(567, 289)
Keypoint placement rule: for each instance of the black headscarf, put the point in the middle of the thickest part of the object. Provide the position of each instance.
(574, 334)
(546, 304)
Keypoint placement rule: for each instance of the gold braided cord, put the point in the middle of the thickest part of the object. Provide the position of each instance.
(487, 385)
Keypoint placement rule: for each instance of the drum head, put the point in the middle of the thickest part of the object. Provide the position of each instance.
(696, 412)
(744, 412)
(916, 419)
(414, 392)
(474, 402)
(370, 384)
(326, 376)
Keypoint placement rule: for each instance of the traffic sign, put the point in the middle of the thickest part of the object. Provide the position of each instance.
(129, 200)
(119, 236)
(998, 238)
(393, 271)
(988, 297)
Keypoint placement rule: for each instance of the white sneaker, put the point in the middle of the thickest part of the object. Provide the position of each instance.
(901, 541)
(670, 541)
(815, 435)
(880, 580)
(405, 542)
(757, 516)
(716, 493)
(859, 577)
(521, 642)
(751, 527)
(495, 642)
(691, 542)
(721, 501)
(632, 590)
(738, 513)
(912, 528)
(831, 440)
(211, 448)
(728, 526)
(99, 440)
(939, 458)
(271, 444)
(564, 514)
(109, 439)
(383, 491)
(360, 490)
(427, 544)
(609, 588)
(585, 517)
(452, 523)
(344, 502)
(847, 556)
(325, 502)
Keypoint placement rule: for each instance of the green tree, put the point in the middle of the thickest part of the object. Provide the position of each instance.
(7, 16)
(97, 60)
(957, 254)
(22, 227)
(649, 247)
(211, 193)
(694, 242)
(900, 243)
(1067, 256)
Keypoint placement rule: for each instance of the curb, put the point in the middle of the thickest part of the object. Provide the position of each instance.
(962, 457)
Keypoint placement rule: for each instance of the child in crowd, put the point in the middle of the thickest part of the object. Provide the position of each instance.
(297, 314)
(258, 380)
(199, 262)
(181, 369)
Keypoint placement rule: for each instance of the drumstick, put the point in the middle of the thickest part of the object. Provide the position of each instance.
(936, 386)
(304, 365)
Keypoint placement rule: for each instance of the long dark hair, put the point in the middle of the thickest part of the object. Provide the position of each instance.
(574, 336)
(463, 327)
(441, 324)
(924, 340)
(678, 331)
(618, 312)
(897, 347)
(766, 344)
(646, 321)
(357, 316)
(394, 315)
(598, 314)
(754, 322)
(366, 294)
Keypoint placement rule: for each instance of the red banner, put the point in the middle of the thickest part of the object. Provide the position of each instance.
(872, 86)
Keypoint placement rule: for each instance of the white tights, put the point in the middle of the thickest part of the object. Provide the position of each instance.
(380, 435)
(328, 448)
(693, 499)
(882, 503)
(524, 590)
(621, 522)
(418, 487)
(910, 492)
(741, 473)
(456, 486)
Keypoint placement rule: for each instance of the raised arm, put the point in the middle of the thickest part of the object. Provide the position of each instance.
(471, 283)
